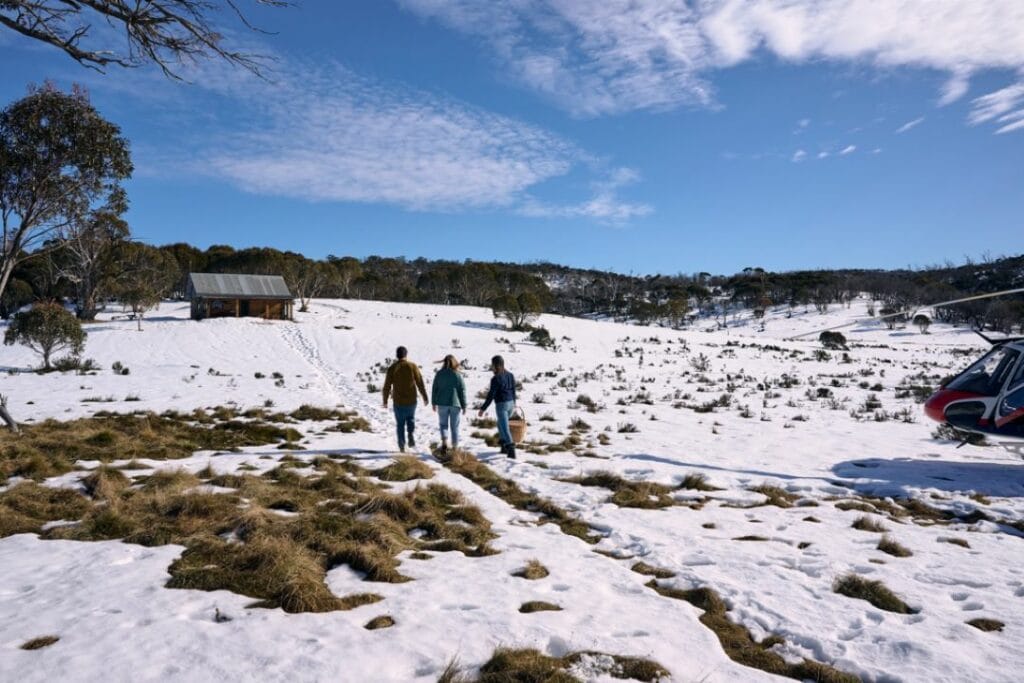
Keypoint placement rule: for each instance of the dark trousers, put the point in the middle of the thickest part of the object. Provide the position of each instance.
(405, 419)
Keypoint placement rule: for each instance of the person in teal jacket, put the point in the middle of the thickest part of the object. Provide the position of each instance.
(449, 400)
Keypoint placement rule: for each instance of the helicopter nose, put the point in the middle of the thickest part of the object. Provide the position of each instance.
(935, 406)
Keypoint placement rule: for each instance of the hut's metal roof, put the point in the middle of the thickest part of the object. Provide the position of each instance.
(227, 285)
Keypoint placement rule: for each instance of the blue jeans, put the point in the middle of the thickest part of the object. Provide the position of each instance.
(405, 417)
(449, 416)
(503, 411)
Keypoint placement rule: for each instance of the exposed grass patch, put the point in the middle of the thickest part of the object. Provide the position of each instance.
(383, 621)
(465, 464)
(39, 643)
(740, 645)
(533, 571)
(889, 545)
(509, 665)
(750, 538)
(538, 606)
(865, 523)
(697, 482)
(649, 570)
(775, 496)
(983, 624)
(405, 468)
(955, 541)
(52, 447)
(875, 592)
(626, 493)
(235, 542)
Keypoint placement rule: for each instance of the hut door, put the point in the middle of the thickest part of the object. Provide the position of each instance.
(243, 308)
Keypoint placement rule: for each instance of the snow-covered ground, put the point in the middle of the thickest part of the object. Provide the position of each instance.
(116, 621)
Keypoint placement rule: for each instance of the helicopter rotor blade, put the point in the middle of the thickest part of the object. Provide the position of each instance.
(976, 297)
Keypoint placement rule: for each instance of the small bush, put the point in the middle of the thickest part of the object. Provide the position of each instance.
(383, 621)
(120, 369)
(981, 624)
(833, 340)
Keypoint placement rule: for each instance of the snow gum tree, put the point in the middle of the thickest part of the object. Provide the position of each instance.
(47, 328)
(147, 274)
(519, 311)
(59, 160)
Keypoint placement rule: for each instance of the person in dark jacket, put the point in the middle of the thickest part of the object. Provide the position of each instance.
(503, 394)
(448, 396)
(405, 379)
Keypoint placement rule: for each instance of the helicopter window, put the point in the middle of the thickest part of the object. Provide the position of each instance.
(987, 376)
(1013, 402)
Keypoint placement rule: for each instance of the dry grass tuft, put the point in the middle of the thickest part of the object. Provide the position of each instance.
(24, 508)
(865, 523)
(39, 643)
(508, 665)
(538, 606)
(775, 496)
(889, 545)
(875, 592)
(955, 541)
(649, 570)
(383, 621)
(987, 625)
(405, 468)
(697, 482)
(533, 571)
(632, 494)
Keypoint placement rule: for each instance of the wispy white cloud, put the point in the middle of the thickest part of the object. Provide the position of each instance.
(798, 156)
(324, 133)
(604, 206)
(910, 124)
(849, 149)
(621, 55)
(823, 155)
(1005, 107)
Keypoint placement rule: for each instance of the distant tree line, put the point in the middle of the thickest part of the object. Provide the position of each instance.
(64, 238)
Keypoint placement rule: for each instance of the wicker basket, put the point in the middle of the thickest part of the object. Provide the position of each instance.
(517, 425)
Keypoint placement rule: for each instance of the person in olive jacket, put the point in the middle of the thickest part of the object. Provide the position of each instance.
(448, 396)
(405, 379)
(503, 393)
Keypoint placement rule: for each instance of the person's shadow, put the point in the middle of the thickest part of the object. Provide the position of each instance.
(895, 477)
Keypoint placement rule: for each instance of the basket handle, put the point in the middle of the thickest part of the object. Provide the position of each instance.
(518, 411)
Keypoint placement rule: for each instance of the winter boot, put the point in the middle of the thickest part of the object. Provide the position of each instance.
(444, 446)
(510, 450)
(412, 440)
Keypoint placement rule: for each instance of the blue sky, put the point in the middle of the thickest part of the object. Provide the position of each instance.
(643, 136)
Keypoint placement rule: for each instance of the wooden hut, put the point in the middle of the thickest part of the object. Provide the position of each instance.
(219, 295)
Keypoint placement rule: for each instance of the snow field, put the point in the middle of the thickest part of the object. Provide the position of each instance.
(465, 607)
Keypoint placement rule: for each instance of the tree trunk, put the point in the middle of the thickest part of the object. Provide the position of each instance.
(6, 417)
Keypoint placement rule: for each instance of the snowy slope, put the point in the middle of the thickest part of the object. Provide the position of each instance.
(117, 621)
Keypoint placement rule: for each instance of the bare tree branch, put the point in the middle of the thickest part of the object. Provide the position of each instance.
(167, 33)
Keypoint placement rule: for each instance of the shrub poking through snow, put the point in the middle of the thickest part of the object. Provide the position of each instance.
(533, 571)
(697, 482)
(538, 606)
(983, 624)
(649, 570)
(875, 592)
(47, 328)
(383, 621)
(889, 545)
(865, 523)
(39, 643)
(833, 340)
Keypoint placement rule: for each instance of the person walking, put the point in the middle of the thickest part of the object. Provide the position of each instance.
(503, 394)
(448, 396)
(405, 379)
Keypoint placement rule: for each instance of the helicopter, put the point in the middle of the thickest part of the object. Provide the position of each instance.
(986, 399)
